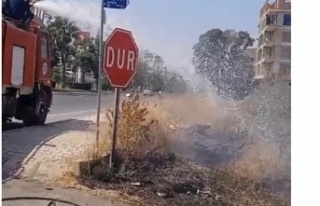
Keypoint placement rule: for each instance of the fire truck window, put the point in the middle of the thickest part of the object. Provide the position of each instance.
(44, 46)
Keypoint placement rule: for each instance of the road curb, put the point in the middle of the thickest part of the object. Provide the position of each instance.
(91, 93)
(36, 126)
(56, 122)
(75, 93)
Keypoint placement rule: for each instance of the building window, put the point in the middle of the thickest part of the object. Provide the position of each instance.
(268, 52)
(259, 56)
(286, 37)
(260, 41)
(285, 69)
(287, 20)
(286, 52)
(271, 19)
(269, 36)
(267, 68)
(259, 71)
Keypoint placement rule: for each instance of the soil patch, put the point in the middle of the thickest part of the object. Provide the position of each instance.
(166, 179)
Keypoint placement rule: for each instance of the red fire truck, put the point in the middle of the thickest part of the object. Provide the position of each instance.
(27, 61)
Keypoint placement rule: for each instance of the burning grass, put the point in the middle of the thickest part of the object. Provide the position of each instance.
(146, 166)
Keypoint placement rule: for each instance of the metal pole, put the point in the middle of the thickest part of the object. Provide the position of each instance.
(102, 21)
(115, 125)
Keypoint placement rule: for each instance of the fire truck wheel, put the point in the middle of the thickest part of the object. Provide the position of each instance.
(38, 114)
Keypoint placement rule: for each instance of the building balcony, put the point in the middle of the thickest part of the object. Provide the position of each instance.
(274, 10)
(271, 43)
(270, 27)
(258, 77)
(273, 28)
(266, 59)
(267, 42)
(284, 78)
(285, 44)
(278, 5)
(258, 74)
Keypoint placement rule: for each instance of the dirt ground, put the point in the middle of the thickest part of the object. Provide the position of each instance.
(216, 161)
(208, 143)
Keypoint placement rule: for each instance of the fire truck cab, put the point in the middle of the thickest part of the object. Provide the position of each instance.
(27, 61)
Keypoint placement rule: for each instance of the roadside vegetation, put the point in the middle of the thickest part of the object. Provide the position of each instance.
(163, 156)
(150, 168)
(73, 52)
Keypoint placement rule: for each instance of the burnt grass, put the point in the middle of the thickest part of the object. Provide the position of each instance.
(165, 179)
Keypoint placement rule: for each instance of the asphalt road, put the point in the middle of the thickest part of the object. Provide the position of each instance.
(69, 106)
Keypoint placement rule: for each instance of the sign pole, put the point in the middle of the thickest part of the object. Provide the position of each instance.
(118, 77)
(119, 74)
(115, 125)
(101, 57)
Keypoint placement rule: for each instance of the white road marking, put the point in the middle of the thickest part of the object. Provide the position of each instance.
(71, 113)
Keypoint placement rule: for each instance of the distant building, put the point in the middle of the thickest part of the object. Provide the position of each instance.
(273, 54)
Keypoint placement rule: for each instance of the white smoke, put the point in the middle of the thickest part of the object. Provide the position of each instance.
(86, 14)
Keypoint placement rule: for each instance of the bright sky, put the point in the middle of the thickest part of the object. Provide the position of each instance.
(171, 27)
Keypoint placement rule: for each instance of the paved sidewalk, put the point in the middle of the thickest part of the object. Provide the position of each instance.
(36, 158)
(45, 152)
(18, 188)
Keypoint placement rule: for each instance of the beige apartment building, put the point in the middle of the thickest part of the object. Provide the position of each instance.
(273, 53)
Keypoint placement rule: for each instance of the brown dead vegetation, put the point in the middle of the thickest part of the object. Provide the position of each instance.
(147, 167)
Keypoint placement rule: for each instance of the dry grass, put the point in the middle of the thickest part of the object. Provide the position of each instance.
(257, 178)
(193, 109)
(144, 136)
(139, 130)
(261, 158)
(236, 185)
(142, 127)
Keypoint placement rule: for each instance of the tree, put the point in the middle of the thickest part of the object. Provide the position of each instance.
(63, 32)
(95, 48)
(84, 60)
(84, 53)
(219, 56)
(56, 77)
(141, 77)
(175, 83)
(88, 59)
(153, 74)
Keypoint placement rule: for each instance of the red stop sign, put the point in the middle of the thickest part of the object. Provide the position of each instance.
(120, 58)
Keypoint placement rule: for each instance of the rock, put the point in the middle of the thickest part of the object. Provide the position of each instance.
(136, 184)
(164, 190)
(162, 193)
(205, 192)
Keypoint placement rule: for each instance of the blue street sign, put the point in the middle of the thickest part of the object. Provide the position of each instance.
(115, 4)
